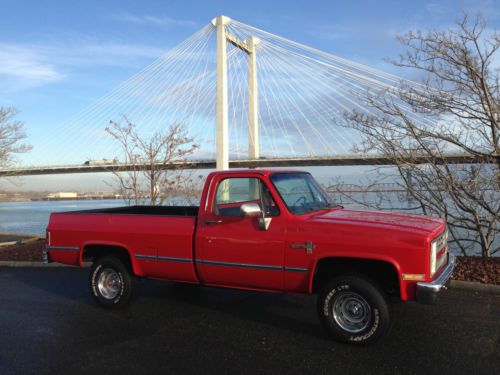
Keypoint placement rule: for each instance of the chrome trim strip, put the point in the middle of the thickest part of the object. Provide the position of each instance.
(162, 258)
(439, 283)
(249, 265)
(173, 259)
(241, 265)
(296, 269)
(148, 257)
(63, 248)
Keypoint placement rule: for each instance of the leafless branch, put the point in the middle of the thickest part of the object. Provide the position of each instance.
(149, 180)
(12, 133)
(457, 109)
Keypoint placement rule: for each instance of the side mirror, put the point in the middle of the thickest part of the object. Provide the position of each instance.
(253, 210)
(250, 210)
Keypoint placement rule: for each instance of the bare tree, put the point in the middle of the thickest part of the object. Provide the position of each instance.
(12, 134)
(373, 194)
(460, 99)
(157, 164)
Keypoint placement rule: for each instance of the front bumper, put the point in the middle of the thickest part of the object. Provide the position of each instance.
(428, 292)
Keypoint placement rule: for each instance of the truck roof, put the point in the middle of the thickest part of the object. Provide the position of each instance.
(263, 172)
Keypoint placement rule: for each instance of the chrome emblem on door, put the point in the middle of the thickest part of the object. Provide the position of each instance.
(309, 246)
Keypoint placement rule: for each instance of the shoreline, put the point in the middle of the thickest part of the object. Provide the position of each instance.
(18, 238)
(46, 199)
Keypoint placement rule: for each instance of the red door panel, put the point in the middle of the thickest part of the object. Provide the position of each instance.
(234, 251)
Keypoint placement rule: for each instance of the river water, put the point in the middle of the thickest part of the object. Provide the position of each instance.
(32, 217)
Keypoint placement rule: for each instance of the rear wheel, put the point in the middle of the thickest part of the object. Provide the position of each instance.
(110, 282)
(354, 309)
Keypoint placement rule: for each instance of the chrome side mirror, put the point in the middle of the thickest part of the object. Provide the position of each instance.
(264, 222)
(253, 210)
(250, 210)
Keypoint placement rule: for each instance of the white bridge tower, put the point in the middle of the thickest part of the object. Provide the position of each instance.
(222, 138)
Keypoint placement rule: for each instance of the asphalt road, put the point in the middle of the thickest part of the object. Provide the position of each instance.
(50, 324)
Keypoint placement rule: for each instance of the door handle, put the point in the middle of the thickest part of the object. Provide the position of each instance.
(213, 221)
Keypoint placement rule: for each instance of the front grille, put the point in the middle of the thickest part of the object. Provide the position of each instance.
(442, 241)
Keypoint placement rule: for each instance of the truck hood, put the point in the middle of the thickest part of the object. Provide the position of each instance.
(420, 224)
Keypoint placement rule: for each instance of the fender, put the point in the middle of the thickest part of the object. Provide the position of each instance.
(135, 266)
(361, 256)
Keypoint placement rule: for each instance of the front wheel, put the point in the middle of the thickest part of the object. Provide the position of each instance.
(110, 282)
(354, 310)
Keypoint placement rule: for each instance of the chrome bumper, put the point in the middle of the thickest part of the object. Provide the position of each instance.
(428, 292)
(46, 256)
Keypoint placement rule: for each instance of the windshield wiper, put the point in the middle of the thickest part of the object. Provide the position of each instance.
(330, 205)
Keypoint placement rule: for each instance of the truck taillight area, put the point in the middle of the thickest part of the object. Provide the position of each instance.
(47, 238)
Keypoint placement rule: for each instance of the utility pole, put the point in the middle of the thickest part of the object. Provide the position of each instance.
(222, 136)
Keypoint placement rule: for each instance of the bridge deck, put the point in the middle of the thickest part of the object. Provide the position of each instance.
(262, 163)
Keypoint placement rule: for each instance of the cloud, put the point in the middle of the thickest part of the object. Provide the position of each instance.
(159, 21)
(25, 66)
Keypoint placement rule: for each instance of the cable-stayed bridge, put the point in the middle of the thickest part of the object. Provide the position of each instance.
(248, 97)
(255, 163)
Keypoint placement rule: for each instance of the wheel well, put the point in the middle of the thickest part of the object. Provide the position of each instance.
(382, 272)
(92, 252)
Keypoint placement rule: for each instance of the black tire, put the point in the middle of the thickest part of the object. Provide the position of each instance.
(110, 282)
(353, 309)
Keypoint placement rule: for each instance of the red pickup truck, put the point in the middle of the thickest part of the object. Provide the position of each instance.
(266, 230)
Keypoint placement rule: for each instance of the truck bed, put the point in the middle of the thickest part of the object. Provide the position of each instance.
(158, 240)
(142, 210)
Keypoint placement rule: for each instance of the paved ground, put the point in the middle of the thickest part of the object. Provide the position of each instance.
(50, 324)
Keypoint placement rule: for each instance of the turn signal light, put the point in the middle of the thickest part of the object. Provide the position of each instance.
(413, 276)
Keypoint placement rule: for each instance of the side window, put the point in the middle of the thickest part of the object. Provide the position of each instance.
(233, 192)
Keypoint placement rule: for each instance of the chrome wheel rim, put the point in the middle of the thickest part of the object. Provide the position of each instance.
(109, 283)
(351, 312)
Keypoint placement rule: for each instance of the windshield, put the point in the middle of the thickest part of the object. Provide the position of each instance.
(300, 192)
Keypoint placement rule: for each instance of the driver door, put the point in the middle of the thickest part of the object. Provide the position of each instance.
(235, 251)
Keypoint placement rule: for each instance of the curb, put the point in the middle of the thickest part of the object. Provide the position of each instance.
(475, 286)
(19, 264)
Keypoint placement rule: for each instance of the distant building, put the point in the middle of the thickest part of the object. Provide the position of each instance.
(62, 195)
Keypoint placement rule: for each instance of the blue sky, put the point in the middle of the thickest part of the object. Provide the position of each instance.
(56, 57)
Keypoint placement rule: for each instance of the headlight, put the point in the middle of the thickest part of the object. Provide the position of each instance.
(439, 252)
(433, 257)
